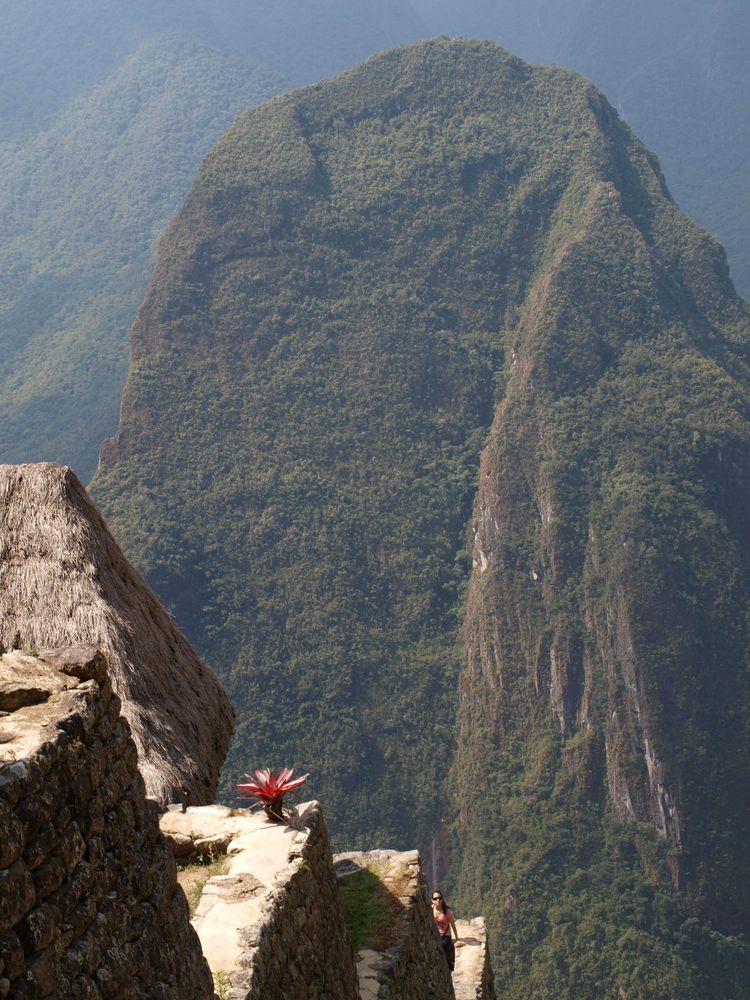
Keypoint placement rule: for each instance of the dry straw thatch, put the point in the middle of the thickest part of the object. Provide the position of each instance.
(64, 581)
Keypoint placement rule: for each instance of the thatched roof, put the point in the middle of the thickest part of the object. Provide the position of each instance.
(64, 581)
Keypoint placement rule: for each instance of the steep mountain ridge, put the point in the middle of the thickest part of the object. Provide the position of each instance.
(368, 278)
(676, 71)
(605, 625)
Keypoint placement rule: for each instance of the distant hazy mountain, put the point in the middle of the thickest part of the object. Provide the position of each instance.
(447, 295)
(51, 51)
(82, 205)
(677, 70)
(102, 125)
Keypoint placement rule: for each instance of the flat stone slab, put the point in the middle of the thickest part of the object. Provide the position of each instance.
(34, 696)
(27, 680)
(371, 966)
(202, 829)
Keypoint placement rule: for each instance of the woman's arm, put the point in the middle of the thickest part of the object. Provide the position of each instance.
(452, 921)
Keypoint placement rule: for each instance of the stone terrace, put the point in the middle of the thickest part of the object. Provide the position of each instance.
(89, 905)
(272, 925)
(410, 965)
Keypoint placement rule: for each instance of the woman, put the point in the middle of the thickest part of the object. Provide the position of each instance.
(445, 923)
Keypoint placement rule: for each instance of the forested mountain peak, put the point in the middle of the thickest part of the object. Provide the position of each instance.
(676, 70)
(446, 296)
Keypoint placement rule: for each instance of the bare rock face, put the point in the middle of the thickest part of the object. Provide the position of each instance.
(64, 582)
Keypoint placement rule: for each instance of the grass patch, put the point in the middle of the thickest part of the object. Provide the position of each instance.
(193, 877)
(371, 906)
(366, 908)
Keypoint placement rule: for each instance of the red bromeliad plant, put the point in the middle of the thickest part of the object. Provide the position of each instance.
(269, 789)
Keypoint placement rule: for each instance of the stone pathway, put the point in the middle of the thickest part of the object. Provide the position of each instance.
(372, 966)
(257, 852)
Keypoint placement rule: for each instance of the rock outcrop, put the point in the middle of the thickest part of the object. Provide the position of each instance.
(89, 905)
(64, 581)
(271, 925)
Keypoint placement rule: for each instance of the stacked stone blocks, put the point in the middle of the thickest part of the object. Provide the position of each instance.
(301, 950)
(272, 924)
(89, 906)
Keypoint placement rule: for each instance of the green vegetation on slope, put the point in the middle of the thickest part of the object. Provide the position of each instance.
(606, 694)
(82, 207)
(365, 276)
(677, 70)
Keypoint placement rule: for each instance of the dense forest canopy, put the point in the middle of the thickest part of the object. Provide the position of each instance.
(677, 71)
(435, 388)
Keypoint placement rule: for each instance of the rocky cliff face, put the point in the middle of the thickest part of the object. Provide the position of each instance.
(443, 254)
(606, 643)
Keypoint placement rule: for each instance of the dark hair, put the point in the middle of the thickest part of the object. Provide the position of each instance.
(442, 899)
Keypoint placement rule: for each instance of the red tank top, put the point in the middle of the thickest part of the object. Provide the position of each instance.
(443, 921)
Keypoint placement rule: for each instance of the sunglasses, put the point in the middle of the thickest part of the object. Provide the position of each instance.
(437, 897)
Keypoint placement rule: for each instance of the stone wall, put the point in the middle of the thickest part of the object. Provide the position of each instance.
(271, 924)
(473, 978)
(410, 965)
(89, 906)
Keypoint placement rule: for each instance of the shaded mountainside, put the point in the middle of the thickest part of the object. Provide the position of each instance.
(82, 206)
(374, 279)
(676, 70)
